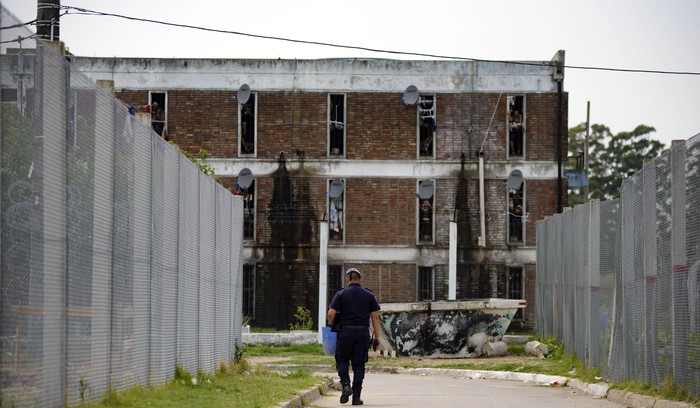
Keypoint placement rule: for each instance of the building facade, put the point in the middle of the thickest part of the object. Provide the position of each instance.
(387, 153)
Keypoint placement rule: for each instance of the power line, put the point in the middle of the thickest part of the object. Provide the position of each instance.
(82, 11)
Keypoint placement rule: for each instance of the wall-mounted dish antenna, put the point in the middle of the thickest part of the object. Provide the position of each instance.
(336, 188)
(243, 94)
(410, 95)
(426, 189)
(245, 178)
(515, 180)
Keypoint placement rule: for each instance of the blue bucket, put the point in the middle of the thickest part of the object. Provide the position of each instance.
(329, 339)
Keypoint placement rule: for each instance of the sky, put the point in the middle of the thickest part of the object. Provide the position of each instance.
(622, 34)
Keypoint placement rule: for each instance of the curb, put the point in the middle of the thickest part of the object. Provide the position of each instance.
(306, 397)
(598, 390)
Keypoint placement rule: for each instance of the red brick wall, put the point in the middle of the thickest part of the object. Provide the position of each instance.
(389, 283)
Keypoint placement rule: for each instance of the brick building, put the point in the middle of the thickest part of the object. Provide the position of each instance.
(386, 152)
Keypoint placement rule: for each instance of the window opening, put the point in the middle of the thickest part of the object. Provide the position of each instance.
(336, 205)
(335, 281)
(515, 287)
(247, 125)
(336, 125)
(159, 111)
(426, 283)
(516, 215)
(516, 125)
(249, 291)
(427, 126)
(426, 215)
(8, 95)
(248, 196)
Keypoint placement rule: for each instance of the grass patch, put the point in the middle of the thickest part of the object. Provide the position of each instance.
(230, 386)
(259, 350)
(666, 390)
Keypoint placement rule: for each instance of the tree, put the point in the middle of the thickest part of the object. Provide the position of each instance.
(612, 158)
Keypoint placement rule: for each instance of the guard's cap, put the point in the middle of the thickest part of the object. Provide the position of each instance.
(351, 270)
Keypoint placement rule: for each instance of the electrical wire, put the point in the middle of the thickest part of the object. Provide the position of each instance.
(82, 11)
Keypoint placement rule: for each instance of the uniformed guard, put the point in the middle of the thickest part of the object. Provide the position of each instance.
(357, 305)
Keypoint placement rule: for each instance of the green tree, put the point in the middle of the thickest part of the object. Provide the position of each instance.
(612, 158)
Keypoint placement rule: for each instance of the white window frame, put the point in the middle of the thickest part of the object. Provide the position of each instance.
(341, 217)
(332, 124)
(253, 95)
(419, 200)
(523, 126)
(419, 113)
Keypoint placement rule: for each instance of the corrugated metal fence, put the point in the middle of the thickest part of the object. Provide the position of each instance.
(120, 259)
(618, 281)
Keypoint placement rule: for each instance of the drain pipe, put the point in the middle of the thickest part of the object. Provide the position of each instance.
(482, 205)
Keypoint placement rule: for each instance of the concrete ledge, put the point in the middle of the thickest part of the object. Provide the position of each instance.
(642, 401)
(281, 339)
(516, 339)
(599, 390)
(493, 375)
(306, 397)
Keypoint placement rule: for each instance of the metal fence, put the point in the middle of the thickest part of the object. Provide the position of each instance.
(119, 258)
(618, 281)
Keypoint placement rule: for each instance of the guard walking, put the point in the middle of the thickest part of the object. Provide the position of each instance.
(354, 306)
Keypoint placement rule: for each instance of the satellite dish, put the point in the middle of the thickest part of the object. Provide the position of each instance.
(410, 95)
(243, 94)
(245, 178)
(515, 180)
(425, 189)
(336, 188)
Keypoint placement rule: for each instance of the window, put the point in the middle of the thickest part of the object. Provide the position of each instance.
(426, 283)
(249, 290)
(8, 95)
(516, 125)
(336, 213)
(336, 125)
(248, 195)
(426, 126)
(247, 125)
(159, 113)
(426, 214)
(515, 287)
(516, 215)
(335, 281)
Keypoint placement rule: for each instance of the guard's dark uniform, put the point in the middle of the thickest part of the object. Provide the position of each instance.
(354, 303)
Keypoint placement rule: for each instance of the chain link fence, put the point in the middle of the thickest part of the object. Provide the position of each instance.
(618, 281)
(120, 259)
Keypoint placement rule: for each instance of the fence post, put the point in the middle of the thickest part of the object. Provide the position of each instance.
(322, 278)
(452, 273)
(679, 261)
(49, 238)
(650, 273)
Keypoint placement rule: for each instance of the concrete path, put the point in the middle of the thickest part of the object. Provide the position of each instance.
(402, 390)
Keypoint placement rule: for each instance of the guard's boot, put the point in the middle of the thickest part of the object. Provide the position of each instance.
(356, 391)
(346, 393)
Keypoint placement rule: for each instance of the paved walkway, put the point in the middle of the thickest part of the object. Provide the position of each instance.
(402, 390)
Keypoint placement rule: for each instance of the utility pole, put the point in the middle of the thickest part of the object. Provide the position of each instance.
(585, 150)
(48, 26)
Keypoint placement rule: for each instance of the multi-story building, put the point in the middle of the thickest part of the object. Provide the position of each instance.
(388, 153)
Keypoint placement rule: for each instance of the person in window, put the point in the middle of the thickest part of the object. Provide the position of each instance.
(157, 118)
(426, 215)
(515, 123)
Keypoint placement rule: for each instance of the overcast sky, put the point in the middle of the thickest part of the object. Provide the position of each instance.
(630, 34)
